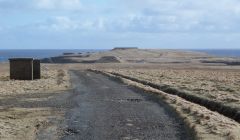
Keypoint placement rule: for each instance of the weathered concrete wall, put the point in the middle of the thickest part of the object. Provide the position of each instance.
(21, 68)
(36, 69)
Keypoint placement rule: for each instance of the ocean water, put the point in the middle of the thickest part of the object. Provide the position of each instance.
(222, 52)
(37, 54)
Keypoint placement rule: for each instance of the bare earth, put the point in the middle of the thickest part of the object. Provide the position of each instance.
(54, 108)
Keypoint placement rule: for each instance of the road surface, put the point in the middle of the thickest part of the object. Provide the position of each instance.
(103, 109)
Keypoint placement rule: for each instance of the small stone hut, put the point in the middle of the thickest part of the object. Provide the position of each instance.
(24, 69)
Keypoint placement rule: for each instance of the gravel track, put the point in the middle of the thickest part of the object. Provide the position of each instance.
(103, 109)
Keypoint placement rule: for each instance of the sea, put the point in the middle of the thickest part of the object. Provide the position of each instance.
(221, 52)
(39, 54)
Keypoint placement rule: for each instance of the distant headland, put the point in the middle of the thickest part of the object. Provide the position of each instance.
(125, 48)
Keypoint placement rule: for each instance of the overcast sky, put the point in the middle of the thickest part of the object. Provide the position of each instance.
(97, 24)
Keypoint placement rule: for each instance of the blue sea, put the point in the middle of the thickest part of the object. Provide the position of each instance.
(37, 54)
(222, 52)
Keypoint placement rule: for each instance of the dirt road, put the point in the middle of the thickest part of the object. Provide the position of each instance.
(103, 109)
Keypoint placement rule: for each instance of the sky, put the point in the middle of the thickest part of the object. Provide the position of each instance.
(105, 24)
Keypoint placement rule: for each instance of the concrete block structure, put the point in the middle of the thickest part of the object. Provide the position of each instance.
(21, 68)
(36, 69)
(25, 69)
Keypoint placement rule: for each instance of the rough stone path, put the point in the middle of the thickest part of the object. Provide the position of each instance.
(103, 109)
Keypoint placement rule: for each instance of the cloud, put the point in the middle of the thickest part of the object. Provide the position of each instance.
(41, 4)
(14, 4)
(137, 16)
(63, 23)
(183, 16)
(154, 16)
(58, 4)
(59, 23)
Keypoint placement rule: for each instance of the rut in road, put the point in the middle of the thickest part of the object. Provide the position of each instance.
(107, 110)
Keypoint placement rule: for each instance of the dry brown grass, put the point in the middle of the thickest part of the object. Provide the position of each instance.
(51, 80)
(216, 85)
(23, 123)
(19, 123)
